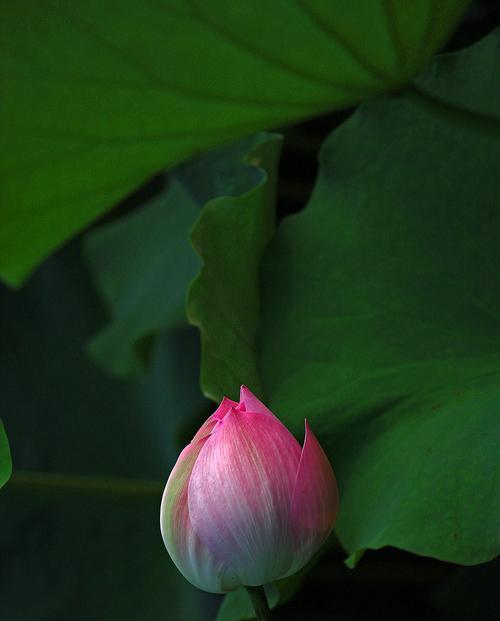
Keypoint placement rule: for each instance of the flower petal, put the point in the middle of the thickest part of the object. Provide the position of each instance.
(314, 503)
(225, 405)
(250, 403)
(193, 559)
(208, 426)
(240, 493)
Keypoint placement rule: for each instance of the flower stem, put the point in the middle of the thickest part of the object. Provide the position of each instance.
(54, 482)
(259, 602)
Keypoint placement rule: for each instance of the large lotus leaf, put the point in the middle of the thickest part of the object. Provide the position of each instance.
(80, 516)
(143, 263)
(5, 461)
(381, 308)
(98, 95)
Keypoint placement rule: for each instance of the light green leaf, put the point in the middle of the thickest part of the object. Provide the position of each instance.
(223, 301)
(381, 314)
(80, 516)
(5, 460)
(142, 265)
(97, 96)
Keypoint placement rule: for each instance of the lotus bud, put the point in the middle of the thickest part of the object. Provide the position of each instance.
(245, 504)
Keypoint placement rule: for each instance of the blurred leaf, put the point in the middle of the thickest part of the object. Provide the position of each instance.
(97, 96)
(230, 236)
(142, 264)
(87, 544)
(5, 461)
(381, 310)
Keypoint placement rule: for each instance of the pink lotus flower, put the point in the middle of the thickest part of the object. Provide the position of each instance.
(245, 504)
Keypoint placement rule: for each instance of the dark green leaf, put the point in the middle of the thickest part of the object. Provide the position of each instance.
(80, 517)
(5, 461)
(143, 264)
(97, 96)
(381, 314)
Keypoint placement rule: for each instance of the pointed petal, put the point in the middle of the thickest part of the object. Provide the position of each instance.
(225, 405)
(240, 494)
(250, 403)
(192, 558)
(208, 426)
(314, 503)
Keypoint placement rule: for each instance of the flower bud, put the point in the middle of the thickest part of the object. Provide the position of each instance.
(245, 504)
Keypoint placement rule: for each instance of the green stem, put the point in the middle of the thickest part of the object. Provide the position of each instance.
(55, 482)
(259, 602)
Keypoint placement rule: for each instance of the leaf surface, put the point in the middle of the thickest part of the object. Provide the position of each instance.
(143, 263)
(98, 96)
(381, 309)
